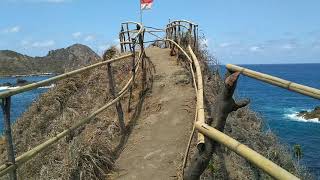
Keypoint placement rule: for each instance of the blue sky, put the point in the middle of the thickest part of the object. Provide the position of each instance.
(242, 32)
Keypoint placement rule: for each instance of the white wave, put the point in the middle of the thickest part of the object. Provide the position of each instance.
(3, 88)
(7, 88)
(294, 116)
(47, 87)
(15, 87)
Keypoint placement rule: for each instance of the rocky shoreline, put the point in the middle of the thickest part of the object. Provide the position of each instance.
(19, 82)
(308, 115)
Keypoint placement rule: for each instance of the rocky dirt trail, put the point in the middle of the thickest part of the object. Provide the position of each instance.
(157, 143)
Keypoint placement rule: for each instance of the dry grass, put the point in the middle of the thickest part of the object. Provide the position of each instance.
(90, 151)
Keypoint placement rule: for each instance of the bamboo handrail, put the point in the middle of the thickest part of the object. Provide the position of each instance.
(302, 89)
(139, 24)
(4, 169)
(200, 99)
(255, 158)
(185, 21)
(57, 78)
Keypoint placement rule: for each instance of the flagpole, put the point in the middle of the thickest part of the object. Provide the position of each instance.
(140, 12)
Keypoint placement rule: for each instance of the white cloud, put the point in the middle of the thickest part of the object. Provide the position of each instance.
(43, 44)
(76, 34)
(255, 48)
(89, 38)
(223, 45)
(13, 29)
(287, 46)
(24, 42)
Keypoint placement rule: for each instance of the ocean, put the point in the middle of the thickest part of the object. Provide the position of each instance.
(277, 106)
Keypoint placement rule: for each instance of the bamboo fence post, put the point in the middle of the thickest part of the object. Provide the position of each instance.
(190, 34)
(179, 31)
(133, 62)
(122, 39)
(121, 44)
(118, 104)
(143, 62)
(195, 37)
(6, 106)
(129, 37)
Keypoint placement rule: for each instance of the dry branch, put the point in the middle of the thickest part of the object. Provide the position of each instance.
(225, 104)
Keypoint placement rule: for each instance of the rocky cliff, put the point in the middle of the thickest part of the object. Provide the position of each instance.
(56, 61)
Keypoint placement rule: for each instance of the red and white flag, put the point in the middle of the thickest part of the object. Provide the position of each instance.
(146, 4)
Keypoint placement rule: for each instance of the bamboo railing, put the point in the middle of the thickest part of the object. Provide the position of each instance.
(255, 158)
(137, 62)
(305, 90)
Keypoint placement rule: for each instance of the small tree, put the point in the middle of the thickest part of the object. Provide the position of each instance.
(297, 150)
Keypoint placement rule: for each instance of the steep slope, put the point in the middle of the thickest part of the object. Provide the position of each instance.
(57, 61)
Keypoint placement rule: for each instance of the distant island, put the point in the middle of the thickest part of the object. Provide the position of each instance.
(55, 62)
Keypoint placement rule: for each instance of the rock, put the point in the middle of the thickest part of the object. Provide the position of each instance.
(315, 114)
(6, 84)
(57, 61)
(21, 82)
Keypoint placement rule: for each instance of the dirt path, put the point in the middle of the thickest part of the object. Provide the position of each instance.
(156, 146)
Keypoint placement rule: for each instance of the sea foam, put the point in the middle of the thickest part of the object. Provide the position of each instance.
(293, 115)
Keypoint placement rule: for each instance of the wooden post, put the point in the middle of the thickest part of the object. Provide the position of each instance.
(190, 34)
(130, 46)
(121, 45)
(179, 33)
(224, 105)
(195, 39)
(121, 39)
(6, 104)
(141, 40)
(133, 62)
(118, 104)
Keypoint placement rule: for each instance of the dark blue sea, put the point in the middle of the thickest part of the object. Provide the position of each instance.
(277, 106)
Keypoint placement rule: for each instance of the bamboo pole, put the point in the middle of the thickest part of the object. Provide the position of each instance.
(305, 90)
(185, 21)
(133, 74)
(129, 38)
(200, 100)
(6, 106)
(57, 78)
(118, 104)
(252, 156)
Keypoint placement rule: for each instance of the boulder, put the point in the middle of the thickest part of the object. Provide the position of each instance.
(315, 114)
